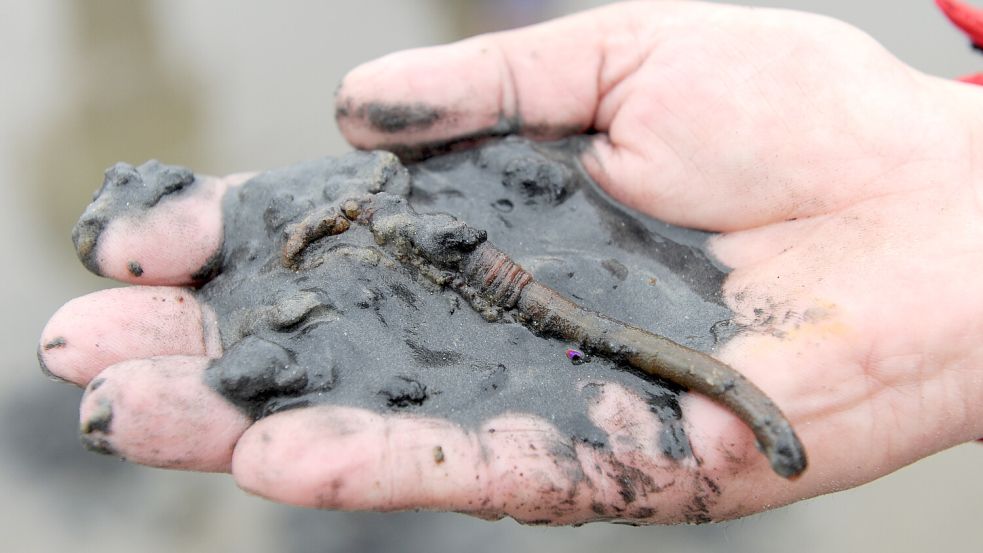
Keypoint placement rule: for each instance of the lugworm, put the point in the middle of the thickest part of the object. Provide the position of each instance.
(488, 278)
(503, 282)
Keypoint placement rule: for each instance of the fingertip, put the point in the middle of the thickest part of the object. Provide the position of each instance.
(541, 81)
(420, 96)
(159, 412)
(100, 329)
(153, 224)
(301, 457)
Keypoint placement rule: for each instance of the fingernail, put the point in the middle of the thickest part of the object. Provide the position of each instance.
(95, 430)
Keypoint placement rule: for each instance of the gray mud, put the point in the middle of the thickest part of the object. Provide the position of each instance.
(348, 320)
(126, 190)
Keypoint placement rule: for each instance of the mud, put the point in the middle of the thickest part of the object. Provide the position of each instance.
(419, 151)
(327, 292)
(126, 190)
(355, 322)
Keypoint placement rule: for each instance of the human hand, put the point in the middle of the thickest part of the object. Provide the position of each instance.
(699, 98)
(797, 135)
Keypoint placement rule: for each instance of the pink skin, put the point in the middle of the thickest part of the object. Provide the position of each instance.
(176, 238)
(84, 337)
(853, 206)
(162, 415)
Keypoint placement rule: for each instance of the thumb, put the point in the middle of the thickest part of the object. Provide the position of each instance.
(547, 81)
(422, 101)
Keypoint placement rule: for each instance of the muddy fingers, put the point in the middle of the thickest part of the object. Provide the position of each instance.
(340, 281)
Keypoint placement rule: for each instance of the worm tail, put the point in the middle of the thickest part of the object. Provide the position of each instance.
(548, 312)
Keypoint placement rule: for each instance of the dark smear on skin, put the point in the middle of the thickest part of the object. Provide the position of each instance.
(134, 268)
(98, 444)
(673, 440)
(58, 342)
(94, 431)
(723, 330)
(632, 482)
(566, 459)
(505, 127)
(101, 421)
(698, 510)
(207, 271)
(643, 513)
(388, 117)
(421, 151)
(393, 118)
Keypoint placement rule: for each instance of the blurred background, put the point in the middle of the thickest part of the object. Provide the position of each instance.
(229, 85)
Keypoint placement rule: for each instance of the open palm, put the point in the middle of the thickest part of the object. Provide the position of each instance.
(853, 217)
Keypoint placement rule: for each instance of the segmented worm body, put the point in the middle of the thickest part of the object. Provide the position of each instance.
(503, 282)
(487, 277)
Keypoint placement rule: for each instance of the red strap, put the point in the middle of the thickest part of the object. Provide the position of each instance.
(970, 20)
(975, 78)
(966, 17)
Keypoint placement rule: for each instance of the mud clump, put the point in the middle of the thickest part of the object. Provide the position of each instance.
(339, 282)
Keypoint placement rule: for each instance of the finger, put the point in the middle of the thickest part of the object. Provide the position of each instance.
(650, 471)
(538, 475)
(154, 224)
(750, 247)
(160, 412)
(351, 459)
(104, 328)
(544, 81)
(591, 71)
